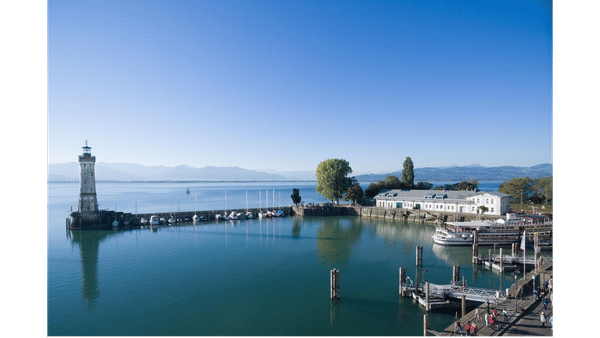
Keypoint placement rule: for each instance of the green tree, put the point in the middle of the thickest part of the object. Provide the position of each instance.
(519, 189)
(483, 209)
(373, 189)
(424, 186)
(354, 194)
(543, 187)
(408, 173)
(296, 199)
(466, 185)
(332, 180)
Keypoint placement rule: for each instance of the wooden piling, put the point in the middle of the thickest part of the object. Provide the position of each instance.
(536, 248)
(463, 306)
(334, 281)
(475, 248)
(425, 324)
(501, 261)
(417, 284)
(490, 257)
(427, 296)
(455, 274)
(513, 251)
(402, 281)
(419, 255)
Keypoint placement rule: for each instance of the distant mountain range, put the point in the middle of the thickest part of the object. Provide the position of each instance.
(475, 171)
(136, 172)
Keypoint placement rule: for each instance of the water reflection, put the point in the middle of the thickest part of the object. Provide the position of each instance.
(335, 239)
(296, 228)
(89, 244)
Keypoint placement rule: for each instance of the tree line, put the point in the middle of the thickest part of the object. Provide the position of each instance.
(333, 182)
(528, 190)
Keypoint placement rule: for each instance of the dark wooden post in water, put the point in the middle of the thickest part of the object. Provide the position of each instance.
(427, 296)
(425, 324)
(419, 255)
(455, 274)
(490, 257)
(475, 248)
(402, 280)
(536, 244)
(501, 261)
(514, 250)
(463, 305)
(334, 280)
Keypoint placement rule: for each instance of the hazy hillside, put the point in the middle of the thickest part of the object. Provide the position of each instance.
(136, 172)
(468, 172)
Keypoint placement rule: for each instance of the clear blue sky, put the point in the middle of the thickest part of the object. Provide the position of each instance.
(281, 85)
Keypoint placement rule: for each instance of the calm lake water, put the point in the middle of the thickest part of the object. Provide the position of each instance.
(250, 277)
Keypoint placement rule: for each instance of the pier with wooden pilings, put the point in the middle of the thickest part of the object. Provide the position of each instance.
(436, 297)
(518, 302)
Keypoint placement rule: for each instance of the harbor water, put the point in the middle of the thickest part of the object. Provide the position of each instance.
(249, 277)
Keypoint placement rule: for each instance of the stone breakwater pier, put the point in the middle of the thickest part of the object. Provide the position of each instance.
(105, 218)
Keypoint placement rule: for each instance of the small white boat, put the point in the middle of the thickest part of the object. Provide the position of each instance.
(172, 220)
(447, 237)
(249, 214)
(144, 220)
(154, 220)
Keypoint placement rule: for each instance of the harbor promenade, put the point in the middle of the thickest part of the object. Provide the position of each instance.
(522, 317)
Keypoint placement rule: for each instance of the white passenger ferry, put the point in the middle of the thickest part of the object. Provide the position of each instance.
(499, 232)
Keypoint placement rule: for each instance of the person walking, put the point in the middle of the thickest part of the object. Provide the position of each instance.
(545, 302)
(505, 317)
(543, 319)
(459, 328)
(486, 319)
(477, 313)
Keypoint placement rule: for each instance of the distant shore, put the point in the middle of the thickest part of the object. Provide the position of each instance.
(185, 181)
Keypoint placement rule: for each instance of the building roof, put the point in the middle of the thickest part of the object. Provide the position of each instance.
(449, 195)
(495, 193)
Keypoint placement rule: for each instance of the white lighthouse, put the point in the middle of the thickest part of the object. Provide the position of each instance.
(88, 204)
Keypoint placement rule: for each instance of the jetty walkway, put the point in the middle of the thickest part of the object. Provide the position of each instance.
(522, 307)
